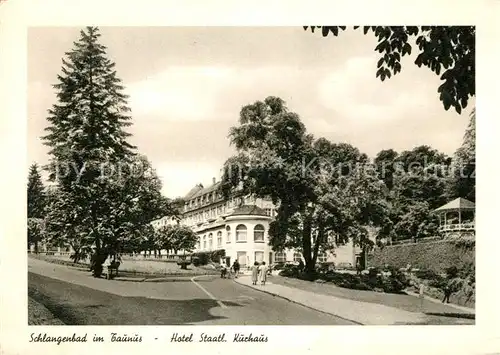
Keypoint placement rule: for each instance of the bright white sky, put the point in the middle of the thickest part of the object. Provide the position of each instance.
(187, 86)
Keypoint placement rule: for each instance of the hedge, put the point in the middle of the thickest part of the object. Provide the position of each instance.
(204, 257)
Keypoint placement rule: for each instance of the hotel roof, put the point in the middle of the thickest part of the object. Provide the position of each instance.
(249, 210)
(199, 190)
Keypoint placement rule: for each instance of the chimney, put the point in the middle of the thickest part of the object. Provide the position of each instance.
(213, 181)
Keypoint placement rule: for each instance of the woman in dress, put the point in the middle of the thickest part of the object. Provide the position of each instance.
(255, 273)
(263, 273)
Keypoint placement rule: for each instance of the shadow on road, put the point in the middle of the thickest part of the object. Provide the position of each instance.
(79, 305)
(452, 315)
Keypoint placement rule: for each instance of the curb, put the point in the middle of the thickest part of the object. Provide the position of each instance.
(129, 279)
(168, 279)
(299, 303)
(156, 279)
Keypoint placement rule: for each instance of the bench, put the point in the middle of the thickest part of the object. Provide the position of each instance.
(112, 271)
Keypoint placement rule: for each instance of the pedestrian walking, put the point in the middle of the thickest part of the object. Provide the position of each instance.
(236, 268)
(255, 273)
(263, 273)
(447, 293)
(223, 271)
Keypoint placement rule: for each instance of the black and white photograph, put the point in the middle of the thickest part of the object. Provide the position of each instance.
(308, 175)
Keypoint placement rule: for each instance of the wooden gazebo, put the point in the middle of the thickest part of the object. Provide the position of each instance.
(457, 215)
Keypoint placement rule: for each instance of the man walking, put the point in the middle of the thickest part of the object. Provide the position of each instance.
(236, 268)
(447, 292)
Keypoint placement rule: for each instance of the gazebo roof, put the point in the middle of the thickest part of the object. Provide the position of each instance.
(457, 204)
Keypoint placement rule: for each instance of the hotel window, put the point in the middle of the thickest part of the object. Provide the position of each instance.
(241, 233)
(258, 233)
(322, 257)
(242, 258)
(228, 234)
(204, 242)
(297, 257)
(268, 212)
(219, 239)
(280, 257)
(210, 241)
(259, 256)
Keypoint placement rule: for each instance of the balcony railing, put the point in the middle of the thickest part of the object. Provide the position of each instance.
(458, 227)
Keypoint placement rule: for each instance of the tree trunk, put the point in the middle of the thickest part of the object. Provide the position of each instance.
(306, 245)
(362, 258)
(98, 259)
(319, 240)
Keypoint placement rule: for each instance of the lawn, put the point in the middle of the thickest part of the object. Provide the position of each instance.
(405, 302)
(144, 267)
(38, 314)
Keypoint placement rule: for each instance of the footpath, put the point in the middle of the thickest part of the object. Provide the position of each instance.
(364, 313)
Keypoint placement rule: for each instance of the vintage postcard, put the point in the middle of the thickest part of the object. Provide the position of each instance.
(202, 187)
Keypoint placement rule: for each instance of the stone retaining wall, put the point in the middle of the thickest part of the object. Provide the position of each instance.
(435, 256)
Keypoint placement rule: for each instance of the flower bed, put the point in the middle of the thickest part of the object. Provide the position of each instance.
(390, 280)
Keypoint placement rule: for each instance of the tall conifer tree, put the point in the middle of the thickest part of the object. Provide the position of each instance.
(36, 193)
(87, 137)
(36, 205)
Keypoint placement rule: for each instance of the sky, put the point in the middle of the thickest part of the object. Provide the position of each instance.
(188, 84)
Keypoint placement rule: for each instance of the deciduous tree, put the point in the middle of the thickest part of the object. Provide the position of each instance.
(176, 238)
(320, 188)
(448, 51)
(462, 177)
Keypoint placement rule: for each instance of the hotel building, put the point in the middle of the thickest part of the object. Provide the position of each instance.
(240, 226)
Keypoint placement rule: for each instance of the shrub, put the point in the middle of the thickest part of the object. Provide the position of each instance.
(204, 257)
(325, 267)
(216, 255)
(196, 261)
(290, 271)
(373, 272)
(311, 276)
(427, 275)
(345, 266)
(278, 266)
(184, 264)
(451, 272)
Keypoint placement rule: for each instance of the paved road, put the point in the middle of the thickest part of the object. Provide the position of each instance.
(79, 299)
